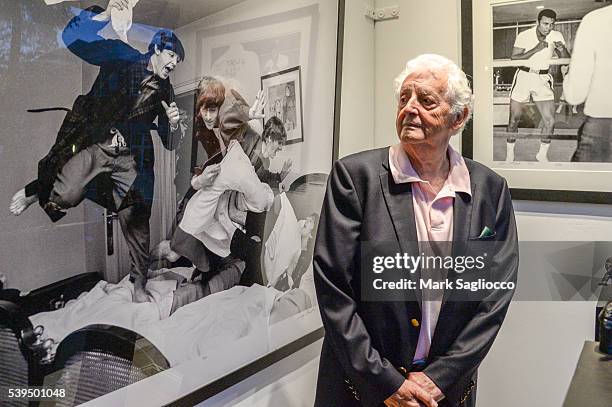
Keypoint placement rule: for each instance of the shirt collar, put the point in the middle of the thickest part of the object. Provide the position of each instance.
(151, 81)
(458, 179)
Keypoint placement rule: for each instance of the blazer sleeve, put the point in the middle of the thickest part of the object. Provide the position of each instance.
(472, 344)
(335, 262)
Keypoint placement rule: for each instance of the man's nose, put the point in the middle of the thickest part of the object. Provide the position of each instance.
(410, 107)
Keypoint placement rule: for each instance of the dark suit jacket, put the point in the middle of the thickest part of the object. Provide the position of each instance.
(125, 95)
(366, 342)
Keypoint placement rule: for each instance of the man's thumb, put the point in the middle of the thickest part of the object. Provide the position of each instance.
(164, 104)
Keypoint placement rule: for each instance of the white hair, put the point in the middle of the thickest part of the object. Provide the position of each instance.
(458, 91)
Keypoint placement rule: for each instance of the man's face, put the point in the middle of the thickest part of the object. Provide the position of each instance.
(164, 62)
(546, 25)
(270, 148)
(423, 112)
(209, 116)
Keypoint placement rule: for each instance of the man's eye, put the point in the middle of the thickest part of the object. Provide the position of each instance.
(428, 101)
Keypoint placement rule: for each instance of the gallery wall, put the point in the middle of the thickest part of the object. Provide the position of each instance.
(358, 81)
(421, 28)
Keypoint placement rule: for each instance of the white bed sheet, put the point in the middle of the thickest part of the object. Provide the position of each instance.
(212, 322)
(110, 304)
(192, 331)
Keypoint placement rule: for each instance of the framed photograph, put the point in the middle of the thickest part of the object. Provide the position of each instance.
(180, 259)
(284, 93)
(518, 54)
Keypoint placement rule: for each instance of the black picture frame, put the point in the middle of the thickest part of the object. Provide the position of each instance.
(531, 194)
(297, 70)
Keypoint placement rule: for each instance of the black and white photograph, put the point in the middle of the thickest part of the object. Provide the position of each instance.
(161, 201)
(542, 117)
(539, 113)
(283, 91)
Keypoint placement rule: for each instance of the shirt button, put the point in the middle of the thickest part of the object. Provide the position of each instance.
(415, 323)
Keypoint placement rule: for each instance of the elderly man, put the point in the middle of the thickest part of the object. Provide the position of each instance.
(420, 190)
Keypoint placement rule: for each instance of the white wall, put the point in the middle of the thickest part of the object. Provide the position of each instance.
(423, 27)
(539, 344)
(358, 81)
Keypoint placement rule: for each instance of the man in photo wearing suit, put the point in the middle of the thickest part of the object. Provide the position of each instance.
(424, 351)
(104, 149)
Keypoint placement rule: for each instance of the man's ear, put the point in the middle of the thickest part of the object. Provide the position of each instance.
(157, 51)
(459, 118)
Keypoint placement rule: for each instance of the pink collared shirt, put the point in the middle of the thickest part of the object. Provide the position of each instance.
(433, 215)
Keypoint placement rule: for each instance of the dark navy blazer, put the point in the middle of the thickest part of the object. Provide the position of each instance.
(366, 342)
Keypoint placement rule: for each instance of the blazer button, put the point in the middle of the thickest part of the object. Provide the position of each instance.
(415, 323)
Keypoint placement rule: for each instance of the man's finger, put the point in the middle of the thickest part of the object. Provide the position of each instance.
(173, 104)
(425, 397)
(403, 402)
(164, 104)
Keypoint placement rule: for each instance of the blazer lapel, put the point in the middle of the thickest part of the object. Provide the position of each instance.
(462, 216)
(462, 219)
(398, 199)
